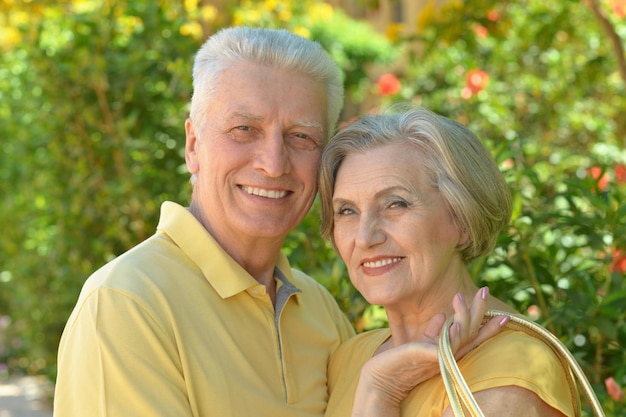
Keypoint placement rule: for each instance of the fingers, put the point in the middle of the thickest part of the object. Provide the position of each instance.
(477, 332)
(487, 331)
(434, 326)
(460, 330)
(467, 327)
(478, 310)
(490, 329)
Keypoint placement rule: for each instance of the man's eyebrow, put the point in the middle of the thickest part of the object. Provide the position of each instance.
(245, 116)
(297, 123)
(304, 123)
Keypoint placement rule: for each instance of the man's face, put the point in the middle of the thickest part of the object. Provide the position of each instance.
(257, 158)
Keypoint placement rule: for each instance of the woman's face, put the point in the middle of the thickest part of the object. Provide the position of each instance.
(393, 229)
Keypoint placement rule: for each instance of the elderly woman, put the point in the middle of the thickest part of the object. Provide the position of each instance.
(408, 200)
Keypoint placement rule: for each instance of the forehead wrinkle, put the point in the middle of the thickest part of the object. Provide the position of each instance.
(390, 190)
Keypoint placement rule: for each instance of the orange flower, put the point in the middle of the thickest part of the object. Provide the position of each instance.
(476, 80)
(388, 84)
(618, 264)
(614, 389)
(603, 181)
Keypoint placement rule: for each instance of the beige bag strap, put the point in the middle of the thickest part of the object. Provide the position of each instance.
(461, 397)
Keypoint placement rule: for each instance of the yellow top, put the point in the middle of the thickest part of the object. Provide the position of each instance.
(175, 327)
(510, 358)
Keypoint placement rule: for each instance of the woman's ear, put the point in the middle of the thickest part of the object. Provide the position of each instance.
(191, 144)
(463, 236)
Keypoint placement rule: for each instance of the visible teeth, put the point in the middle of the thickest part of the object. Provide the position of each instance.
(381, 262)
(265, 193)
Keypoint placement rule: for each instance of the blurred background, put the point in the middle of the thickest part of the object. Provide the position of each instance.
(94, 94)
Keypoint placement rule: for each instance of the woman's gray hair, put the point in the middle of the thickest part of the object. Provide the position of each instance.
(458, 163)
(277, 48)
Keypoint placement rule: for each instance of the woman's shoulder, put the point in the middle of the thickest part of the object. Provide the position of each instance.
(360, 347)
(514, 346)
(371, 338)
(515, 358)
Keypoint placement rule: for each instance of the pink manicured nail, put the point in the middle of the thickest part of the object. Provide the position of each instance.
(504, 321)
(484, 293)
(461, 298)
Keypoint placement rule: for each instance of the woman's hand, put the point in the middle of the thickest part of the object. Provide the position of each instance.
(388, 377)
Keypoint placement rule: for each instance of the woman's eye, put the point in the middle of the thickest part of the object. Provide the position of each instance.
(398, 204)
(343, 211)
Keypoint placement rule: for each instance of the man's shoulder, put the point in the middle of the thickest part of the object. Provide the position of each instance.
(304, 282)
(150, 259)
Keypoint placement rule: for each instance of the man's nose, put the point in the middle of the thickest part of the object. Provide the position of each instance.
(272, 156)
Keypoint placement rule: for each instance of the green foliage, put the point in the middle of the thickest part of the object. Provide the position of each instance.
(95, 105)
(93, 99)
(353, 45)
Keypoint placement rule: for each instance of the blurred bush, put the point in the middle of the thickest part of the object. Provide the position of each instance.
(93, 97)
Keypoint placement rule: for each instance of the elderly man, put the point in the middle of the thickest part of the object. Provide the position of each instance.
(206, 317)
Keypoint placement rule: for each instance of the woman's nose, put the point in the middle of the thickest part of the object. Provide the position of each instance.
(370, 232)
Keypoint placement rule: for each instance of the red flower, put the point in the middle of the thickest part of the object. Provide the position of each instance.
(476, 80)
(493, 15)
(603, 182)
(481, 31)
(508, 163)
(620, 174)
(619, 8)
(388, 84)
(533, 312)
(613, 388)
(618, 264)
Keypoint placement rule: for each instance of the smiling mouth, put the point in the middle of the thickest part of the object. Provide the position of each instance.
(262, 192)
(381, 262)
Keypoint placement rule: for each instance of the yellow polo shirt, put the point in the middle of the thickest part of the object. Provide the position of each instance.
(509, 358)
(175, 327)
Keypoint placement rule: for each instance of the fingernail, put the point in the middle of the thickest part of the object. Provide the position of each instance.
(461, 298)
(484, 293)
(504, 321)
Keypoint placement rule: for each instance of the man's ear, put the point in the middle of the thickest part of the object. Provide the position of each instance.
(191, 143)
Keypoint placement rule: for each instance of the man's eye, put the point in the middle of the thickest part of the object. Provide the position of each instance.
(243, 133)
(304, 141)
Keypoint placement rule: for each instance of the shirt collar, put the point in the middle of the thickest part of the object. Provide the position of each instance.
(197, 243)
